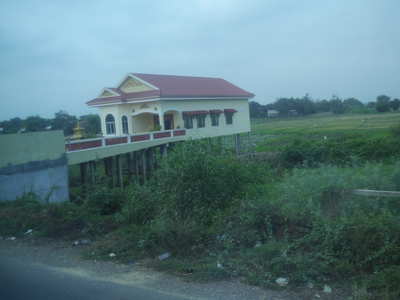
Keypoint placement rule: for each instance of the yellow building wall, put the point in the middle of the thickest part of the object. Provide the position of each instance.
(131, 110)
(241, 119)
(140, 115)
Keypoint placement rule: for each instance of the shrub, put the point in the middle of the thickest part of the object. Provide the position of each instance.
(62, 220)
(104, 200)
(339, 150)
(20, 215)
(140, 206)
(198, 180)
(312, 228)
(306, 193)
(395, 130)
(195, 185)
(345, 235)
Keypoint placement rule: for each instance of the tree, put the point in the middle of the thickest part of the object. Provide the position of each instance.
(12, 126)
(383, 103)
(305, 106)
(64, 121)
(36, 123)
(91, 124)
(284, 105)
(322, 106)
(336, 105)
(395, 104)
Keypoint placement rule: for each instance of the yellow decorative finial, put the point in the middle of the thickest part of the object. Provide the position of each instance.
(79, 132)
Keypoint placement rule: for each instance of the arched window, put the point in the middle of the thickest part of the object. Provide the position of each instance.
(110, 124)
(124, 125)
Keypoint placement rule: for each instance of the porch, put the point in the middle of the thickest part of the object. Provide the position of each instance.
(150, 122)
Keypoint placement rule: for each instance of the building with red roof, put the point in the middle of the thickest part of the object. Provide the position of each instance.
(148, 102)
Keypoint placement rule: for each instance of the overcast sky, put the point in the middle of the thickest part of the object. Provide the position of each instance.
(59, 54)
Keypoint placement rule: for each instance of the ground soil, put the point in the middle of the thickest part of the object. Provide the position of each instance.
(63, 257)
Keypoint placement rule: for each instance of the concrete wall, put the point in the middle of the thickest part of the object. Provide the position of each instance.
(34, 162)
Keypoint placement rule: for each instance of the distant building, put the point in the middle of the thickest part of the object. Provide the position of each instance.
(272, 113)
(146, 102)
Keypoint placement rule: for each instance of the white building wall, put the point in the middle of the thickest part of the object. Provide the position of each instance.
(241, 119)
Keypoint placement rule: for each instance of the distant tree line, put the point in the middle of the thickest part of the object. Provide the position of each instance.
(61, 121)
(306, 106)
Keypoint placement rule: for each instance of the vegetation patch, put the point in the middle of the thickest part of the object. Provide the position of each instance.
(205, 215)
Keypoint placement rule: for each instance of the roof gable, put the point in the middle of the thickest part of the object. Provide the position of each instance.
(106, 93)
(133, 85)
(109, 92)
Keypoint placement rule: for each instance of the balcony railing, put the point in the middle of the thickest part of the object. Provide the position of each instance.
(87, 144)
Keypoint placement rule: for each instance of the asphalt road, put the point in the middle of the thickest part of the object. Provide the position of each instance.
(22, 281)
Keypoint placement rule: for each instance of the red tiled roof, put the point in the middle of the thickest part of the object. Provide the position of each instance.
(190, 86)
(171, 86)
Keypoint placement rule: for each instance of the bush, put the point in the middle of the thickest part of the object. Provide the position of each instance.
(198, 180)
(20, 215)
(57, 220)
(339, 150)
(62, 220)
(310, 228)
(195, 185)
(104, 200)
(395, 130)
(306, 193)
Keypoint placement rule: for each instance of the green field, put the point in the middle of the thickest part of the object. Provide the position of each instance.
(275, 134)
(327, 124)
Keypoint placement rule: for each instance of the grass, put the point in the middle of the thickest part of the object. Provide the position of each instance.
(327, 124)
(273, 134)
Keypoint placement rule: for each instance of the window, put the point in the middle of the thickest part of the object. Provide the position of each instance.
(201, 121)
(188, 121)
(125, 125)
(168, 121)
(214, 119)
(110, 124)
(229, 117)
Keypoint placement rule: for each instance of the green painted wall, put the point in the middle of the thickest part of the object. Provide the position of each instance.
(33, 146)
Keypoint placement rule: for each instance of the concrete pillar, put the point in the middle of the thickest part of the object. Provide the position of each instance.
(118, 164)
(149, 160)
(237, 143)
(144, 165)
(163, 150)
(136, 164)
(83, 172)
(109, 168)
(92, 168)
(161, 118)
(129, 164)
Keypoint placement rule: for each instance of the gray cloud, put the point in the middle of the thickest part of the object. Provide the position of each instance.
(58, 54)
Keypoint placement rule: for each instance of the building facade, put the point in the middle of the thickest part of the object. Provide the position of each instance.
(144, 103)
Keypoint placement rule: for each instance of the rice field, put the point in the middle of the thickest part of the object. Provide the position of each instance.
(326, 124)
